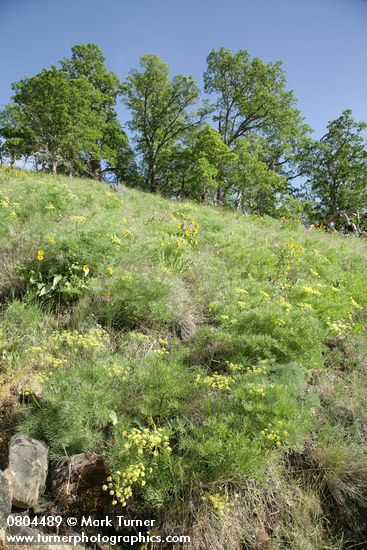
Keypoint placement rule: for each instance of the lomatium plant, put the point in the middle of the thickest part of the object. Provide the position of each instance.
(79, 345)
(275, 434)
(220, 502)
(141, 450)
(8, 209)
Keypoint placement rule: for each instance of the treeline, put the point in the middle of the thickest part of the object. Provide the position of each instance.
(244, 145)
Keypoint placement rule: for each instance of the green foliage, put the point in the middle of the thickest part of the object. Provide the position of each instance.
(259, 189)
(55, 275)
(110, 152)
(336, 171)
(74, 410)
(252, 99)
(159, 108)
(130, 301)
(200, 168)
(239, 348)
(64, 120)
(51, 115)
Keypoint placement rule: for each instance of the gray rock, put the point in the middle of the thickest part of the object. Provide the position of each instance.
(27, 471)
(6, 497)
(187, 327)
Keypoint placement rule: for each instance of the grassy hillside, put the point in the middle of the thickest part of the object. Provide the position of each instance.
(216, 361)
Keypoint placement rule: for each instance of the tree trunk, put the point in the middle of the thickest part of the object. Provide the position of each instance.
(54, 166)
(153, 178)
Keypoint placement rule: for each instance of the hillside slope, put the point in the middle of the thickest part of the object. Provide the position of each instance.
(217, 362)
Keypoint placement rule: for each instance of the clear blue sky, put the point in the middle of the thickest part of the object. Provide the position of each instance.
(322, 43)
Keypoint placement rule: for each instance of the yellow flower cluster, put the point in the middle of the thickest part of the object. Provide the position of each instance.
(290, 255)
(256, 371)
(252, 370)
(162, 351)
(295, 248)
(10, 208)
(220, 503)
(117, 371)
(78, 219)
(339, 327)
(34, 386)
(275, 435)
(128, 234)
(146, 441)
(304, 305)
(285, 304)
(234, 367)
(217, 381)
(241, 291)
(258, 390)
(120, 486)
(95, 339)
(319, 256)
(310, 290)
(280, 322)
(139, 442)
(26, 389)
(42, 377)
(186, 233)
(39, 354)
(115, 240)
(355, 304)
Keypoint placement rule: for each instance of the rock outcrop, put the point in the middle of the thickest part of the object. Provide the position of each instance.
(6, 498)
(27, 470)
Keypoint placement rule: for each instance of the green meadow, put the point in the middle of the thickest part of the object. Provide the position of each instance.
(216, 361)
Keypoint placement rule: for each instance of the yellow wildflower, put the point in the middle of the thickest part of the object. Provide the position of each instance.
(78, 219)
(310, 290)
(116, 240)
(241, 291)
(305, 305)
(40, 255)
(354, 303)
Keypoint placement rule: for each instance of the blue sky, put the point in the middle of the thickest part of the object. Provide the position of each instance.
(322, 43)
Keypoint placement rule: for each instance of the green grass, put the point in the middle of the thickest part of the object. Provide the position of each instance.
(96, 287)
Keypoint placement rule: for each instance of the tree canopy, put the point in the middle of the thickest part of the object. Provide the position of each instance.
(245, 145)
(50, 118)
(160, 112)
(335, 168)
